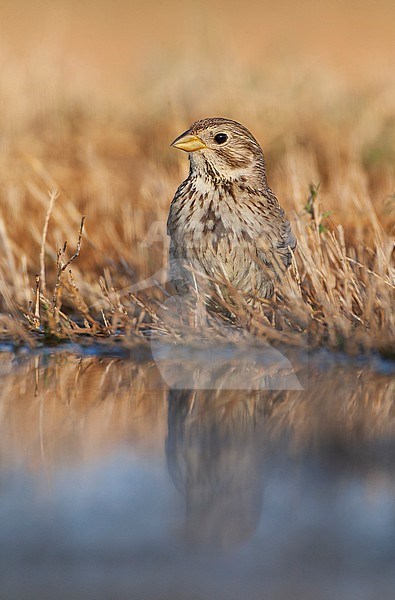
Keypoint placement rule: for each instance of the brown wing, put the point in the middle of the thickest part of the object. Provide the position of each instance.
(276, 234)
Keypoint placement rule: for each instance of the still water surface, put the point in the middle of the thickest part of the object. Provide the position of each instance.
(115, 485)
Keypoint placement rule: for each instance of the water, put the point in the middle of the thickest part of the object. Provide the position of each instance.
(115, 486)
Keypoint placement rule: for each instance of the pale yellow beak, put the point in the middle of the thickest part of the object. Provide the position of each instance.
(188, 142)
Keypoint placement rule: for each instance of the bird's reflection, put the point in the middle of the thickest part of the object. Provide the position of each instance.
(63, 409)
(215, 453)
(230, 366)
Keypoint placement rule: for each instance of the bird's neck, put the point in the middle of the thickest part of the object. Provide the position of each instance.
(207, 176)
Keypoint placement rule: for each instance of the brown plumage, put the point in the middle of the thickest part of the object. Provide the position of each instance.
(224, 221)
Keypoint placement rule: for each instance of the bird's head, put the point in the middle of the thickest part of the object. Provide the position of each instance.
(223, 150)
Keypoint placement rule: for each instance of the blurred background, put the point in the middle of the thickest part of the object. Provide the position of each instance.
(120, 40)
(191, 58)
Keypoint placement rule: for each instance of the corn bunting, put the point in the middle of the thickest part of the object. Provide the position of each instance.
(225, 223)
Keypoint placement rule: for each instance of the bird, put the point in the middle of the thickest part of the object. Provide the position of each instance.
(227, 229)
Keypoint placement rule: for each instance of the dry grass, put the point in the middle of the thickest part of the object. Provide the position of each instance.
(100, 137)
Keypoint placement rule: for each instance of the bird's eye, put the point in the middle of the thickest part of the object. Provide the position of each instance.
(220, 138)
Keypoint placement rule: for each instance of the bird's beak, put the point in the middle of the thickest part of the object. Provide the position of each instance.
(188, 142)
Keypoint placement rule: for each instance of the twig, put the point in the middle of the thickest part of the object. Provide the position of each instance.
(78, 249)
(58, 273)
(53, 195)
(61, 266)
(37, 304)
(145, 307)
(361, 266)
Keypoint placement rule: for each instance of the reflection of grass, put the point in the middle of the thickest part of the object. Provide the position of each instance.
(88, 406)
(108, 155)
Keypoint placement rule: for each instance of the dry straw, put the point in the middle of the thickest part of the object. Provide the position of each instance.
(111, 161)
